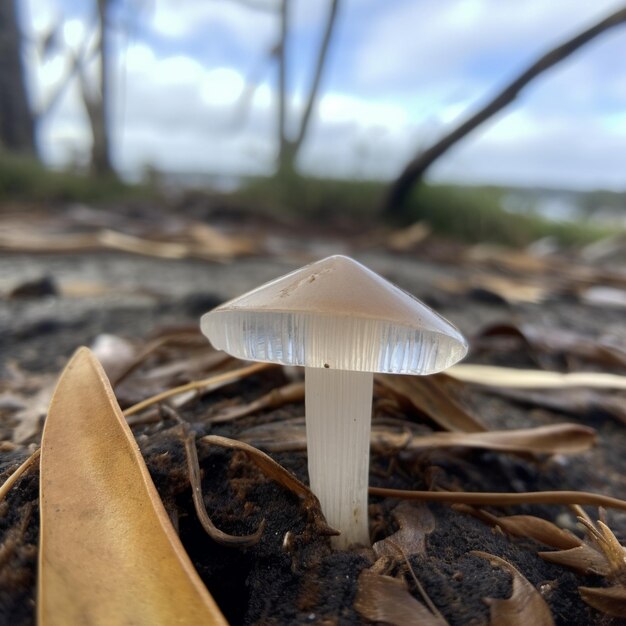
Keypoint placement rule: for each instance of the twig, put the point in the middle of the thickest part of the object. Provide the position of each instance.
(199, 384)
(429, 603)
(503, 499)
(243, 541)
(282, 476)
(22, 469)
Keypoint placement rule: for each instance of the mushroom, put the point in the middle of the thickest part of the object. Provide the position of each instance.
(342, 322)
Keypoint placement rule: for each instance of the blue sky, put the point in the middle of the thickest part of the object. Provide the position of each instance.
(400, 73)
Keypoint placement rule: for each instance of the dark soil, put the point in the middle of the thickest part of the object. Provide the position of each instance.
(292, 576)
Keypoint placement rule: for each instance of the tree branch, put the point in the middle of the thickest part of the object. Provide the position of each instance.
(319, 68)
(282, 78)
(415, 170)
(84, 55)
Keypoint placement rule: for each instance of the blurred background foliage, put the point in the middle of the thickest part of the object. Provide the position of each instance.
(65, 64)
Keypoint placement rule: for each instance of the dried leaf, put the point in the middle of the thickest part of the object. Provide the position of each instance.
(37, 242)
(493, 376)
(559, 341)
(277, 436)
(29, 409)
(602, 536)
(428, 395)
(573, 401)
(609, 600)
(386, 599)
(407, 238)
(511, 291)
(525, 606)
(293, 392)
(115, 240)
(188, 391)
(186, 366)
(601, 554)
(218, 244)
(199, 243)
(414, 522)
(584, 559)
(505, 258)
(536, 528)
(557, 439)
(108, 552)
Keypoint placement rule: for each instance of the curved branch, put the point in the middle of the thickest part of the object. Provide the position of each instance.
(415, 170)
(319, 68)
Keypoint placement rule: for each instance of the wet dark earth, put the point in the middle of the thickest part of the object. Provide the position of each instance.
(302, 580)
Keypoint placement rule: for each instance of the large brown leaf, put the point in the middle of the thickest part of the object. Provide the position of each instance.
(108, 552)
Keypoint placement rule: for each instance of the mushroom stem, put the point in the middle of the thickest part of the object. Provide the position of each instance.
(338, 418)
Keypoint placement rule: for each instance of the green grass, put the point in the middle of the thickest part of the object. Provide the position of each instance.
(23, 179)
(471, 214)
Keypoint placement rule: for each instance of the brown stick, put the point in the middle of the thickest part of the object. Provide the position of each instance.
(193, 466)
(18, 473)
(503, 499)
(416, 168)
(218, 379)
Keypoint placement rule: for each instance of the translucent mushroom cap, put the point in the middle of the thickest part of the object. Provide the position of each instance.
(335, 313)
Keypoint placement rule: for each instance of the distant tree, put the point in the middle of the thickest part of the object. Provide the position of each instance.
(97, 98)
(289, 147)
(96, 93)
(414, 171)
(17, 132)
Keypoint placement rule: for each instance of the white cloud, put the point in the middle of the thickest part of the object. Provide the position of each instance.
(222, 86)
(341, 108)
(542, 150)
(74, 32)
(415, 42)
(414, 71)
(182, 19)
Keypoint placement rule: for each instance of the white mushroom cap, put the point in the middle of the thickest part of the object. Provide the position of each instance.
(335, 313)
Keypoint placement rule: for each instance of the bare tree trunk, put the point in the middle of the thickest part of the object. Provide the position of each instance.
(283, 141)
(98, 108)
(415, 170)
(289, 148)
(16, 120)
